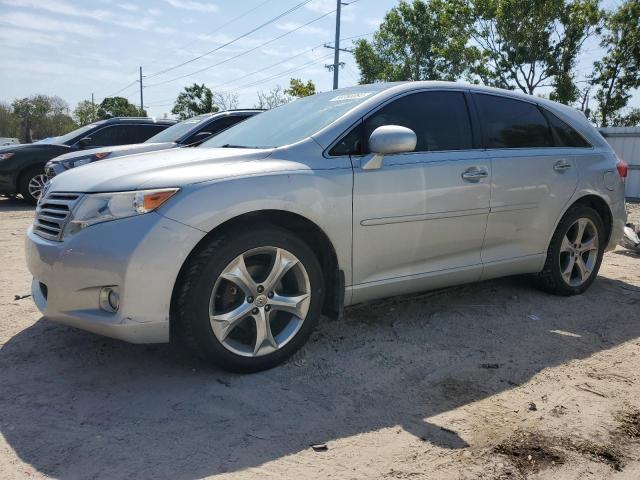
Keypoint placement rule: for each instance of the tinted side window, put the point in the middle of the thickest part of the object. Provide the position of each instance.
(563, 134)
(111, 135)
(140, 133)
(439, 119)
(350, 144)
(214, 128)
(510, 123)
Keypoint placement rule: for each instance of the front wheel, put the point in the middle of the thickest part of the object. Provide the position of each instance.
(248, 300)
(575, 253)
(32, 183)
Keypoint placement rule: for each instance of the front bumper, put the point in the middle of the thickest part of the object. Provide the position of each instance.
(141, 255)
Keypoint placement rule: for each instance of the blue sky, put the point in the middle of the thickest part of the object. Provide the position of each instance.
(72, 48)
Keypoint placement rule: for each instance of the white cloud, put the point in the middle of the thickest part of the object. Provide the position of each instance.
(193, 5)
(15, 37)
(61, 7)
(36, 22)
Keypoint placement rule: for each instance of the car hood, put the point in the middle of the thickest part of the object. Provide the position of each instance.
(117, 150)
(34, 148)
(176, 167)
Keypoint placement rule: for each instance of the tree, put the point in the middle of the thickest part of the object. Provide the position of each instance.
(530, 44)
(9, 123)
(297, 88)
(85, 113)
(618, 72)
(422, 40)
(112, 107)
(42, 116)
(272, 99)
(195, 100)
(226, 101)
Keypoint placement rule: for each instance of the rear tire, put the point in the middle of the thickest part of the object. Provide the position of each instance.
(575, 253)
(248, 299)
(31, 184)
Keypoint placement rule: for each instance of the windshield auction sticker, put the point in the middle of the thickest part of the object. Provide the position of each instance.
(350, 96)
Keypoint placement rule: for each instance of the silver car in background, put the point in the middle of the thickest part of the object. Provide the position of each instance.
(237, 247)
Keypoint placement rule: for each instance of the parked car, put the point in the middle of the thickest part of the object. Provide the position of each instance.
(8, 141)
(342, 197)
(188, 133)
(22, 166)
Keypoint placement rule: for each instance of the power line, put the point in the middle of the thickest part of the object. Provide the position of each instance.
(246, 34)
(242, 53)
(221, 27)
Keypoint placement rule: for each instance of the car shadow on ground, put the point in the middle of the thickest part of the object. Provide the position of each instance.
(15, 204)
(76, 405)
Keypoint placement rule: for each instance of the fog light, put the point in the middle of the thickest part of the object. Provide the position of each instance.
(110, 299)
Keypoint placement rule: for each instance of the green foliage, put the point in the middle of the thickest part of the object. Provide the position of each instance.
(618, 73)
(42, 116)
(529, 44)
(85, 113)
(422, 40)
(195, 100)
(9, 123)
(112, 107)
(297, 88)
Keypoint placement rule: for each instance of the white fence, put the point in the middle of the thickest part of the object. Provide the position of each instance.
(626, 142)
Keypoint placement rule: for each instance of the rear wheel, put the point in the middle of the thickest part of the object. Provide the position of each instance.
(575, 253)
(249, 300)
(31, 184)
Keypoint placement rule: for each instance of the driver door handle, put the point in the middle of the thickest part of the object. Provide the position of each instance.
(474, 174)
(562, 166)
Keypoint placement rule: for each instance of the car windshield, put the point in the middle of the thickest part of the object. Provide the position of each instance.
(69, 136)
(179, 130)
(294, 121)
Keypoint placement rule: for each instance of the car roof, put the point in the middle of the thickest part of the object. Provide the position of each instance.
(139, 120)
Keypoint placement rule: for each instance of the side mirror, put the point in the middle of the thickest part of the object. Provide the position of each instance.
(85, 142)
(389, 139)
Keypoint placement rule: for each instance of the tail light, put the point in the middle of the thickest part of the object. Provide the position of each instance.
(623, 168)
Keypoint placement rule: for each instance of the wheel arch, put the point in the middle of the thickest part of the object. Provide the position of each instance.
(599, 204)
(297, 224)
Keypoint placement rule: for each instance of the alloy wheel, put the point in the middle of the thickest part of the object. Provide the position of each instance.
(579, 252)
(259, 301)
(36, 184)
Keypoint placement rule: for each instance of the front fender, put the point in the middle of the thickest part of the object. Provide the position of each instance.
(321, 196)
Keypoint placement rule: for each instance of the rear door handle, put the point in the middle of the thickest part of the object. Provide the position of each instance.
(562, 166)
(474, 174)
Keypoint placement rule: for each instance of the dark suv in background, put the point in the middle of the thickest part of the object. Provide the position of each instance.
(188, 133)
(22, 166)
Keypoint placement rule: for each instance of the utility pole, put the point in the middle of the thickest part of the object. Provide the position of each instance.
(335, 66)
(141, 103)
(336, 55)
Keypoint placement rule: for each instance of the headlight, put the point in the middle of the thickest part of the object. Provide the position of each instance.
(6, 156)
(75, 162)
(104, 207)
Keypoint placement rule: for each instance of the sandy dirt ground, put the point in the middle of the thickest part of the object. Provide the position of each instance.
(489, 380)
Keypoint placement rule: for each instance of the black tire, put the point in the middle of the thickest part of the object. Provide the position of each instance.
(191, 323)
(25, 178)
(550, 279)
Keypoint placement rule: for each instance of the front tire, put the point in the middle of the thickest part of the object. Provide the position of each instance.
(575, 253)
(31, 184)
(248, 300)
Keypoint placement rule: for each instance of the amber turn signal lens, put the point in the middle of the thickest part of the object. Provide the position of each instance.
(101, 155)
(152, 200)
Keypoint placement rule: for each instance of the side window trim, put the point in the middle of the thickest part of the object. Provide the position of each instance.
(397, 97)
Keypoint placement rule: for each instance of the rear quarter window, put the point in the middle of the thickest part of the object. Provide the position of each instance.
(563, 134)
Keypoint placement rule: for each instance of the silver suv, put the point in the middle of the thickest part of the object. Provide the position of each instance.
(237, 247)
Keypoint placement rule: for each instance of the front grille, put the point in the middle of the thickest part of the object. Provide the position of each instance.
(52, 214)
